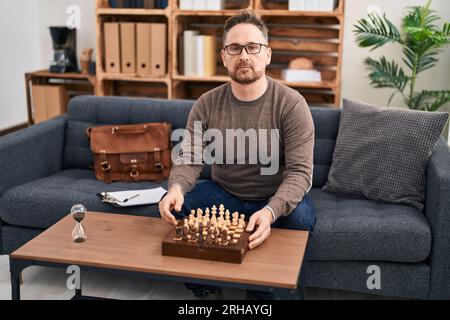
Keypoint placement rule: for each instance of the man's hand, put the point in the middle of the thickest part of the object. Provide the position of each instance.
(263, 219)
(172, 200)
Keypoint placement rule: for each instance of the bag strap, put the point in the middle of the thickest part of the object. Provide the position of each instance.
(124, 130)
(159, 167)
(105, 166)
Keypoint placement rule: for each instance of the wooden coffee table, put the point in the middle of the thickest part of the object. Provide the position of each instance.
(127, 244)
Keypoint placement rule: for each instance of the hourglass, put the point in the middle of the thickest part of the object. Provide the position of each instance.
(78, 212)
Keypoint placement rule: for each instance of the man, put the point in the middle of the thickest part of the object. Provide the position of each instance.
(250, 101)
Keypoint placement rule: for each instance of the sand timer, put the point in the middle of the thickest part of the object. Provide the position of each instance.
(78, 212)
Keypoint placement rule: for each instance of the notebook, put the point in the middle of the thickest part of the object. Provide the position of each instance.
(133, 197)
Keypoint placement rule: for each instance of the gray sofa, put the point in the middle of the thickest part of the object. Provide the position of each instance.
(45, 170)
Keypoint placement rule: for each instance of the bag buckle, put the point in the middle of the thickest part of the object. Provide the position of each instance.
(105, 165)
(159, 166)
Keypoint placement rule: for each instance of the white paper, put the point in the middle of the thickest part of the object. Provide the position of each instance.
(145, 196)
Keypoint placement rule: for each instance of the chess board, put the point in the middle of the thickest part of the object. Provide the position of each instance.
(222, 239)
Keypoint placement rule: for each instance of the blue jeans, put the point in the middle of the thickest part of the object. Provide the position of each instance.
(208, 193)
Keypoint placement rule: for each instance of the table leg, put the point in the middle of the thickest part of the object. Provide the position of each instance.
(78, 291)
(16, 267)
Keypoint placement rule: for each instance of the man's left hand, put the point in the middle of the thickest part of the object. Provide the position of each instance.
(262, 219)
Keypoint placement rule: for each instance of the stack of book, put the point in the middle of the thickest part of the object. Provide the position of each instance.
(202, 4)
(199, 56)
(312, 5)
(147, 4)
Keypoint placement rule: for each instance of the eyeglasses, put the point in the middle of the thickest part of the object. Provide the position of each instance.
(251, 48)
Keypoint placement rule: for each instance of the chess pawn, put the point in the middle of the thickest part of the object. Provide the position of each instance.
(185, 230)
(242, 220)
(178, 232)
(200, 233)
(207, 212)
(194, 233)
(224, 235)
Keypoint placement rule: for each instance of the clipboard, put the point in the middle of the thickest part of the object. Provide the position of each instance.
(130, 198)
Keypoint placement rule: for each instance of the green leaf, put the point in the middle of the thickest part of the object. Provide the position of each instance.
(435, 99)
(385, 74)
(375, 31)
(429, 100)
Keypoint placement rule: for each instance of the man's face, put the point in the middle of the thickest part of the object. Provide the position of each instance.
(246, 68)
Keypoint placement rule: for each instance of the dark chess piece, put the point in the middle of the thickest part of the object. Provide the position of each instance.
(185, 231)
(178, 232)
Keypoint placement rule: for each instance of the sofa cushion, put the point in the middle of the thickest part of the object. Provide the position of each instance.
(357, 229)
(382, 153)
(43, 202)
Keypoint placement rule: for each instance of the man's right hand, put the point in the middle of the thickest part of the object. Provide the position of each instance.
(172, 200)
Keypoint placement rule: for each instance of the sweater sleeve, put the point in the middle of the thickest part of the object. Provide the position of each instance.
(297, 136)
(189, 162)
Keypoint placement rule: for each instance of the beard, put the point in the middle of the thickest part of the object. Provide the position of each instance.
(244, 73)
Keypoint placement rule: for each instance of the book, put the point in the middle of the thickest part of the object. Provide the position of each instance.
(215, 4)
(312, 5)
(301, 75)
(199, 55)
(186, 5)
(130, 198)
(199, 4)
(189, 52)
(209, 55)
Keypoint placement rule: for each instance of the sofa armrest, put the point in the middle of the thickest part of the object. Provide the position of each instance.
(437, 211)
(31, 153)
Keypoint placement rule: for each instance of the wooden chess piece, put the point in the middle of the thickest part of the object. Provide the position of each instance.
(178, 232)
(194, 232)
(224, 236)
(185, 230)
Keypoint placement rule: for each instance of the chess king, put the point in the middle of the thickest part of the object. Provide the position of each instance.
(251, 101)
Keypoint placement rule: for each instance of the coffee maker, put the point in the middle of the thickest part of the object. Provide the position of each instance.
(65, 50)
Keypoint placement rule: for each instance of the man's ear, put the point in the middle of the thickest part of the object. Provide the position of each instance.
(222, 54)
(269, 55)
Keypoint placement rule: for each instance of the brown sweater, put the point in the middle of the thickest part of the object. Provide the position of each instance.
(280, 107)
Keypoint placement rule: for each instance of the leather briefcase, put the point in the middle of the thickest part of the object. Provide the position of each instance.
(139, 152)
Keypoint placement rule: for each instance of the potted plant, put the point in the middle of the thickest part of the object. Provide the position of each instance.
(421, 41)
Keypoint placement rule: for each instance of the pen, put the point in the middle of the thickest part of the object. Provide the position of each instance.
(126, 200)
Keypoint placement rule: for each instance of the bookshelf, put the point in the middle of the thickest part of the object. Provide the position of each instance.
(315, 35)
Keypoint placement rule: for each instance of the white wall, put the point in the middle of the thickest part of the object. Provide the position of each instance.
(24, 33)
(19, 53)
(27, 46)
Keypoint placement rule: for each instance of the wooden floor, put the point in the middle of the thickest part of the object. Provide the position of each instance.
(50, 284)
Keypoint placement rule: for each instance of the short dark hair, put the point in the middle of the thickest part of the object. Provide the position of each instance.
(245, 16)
